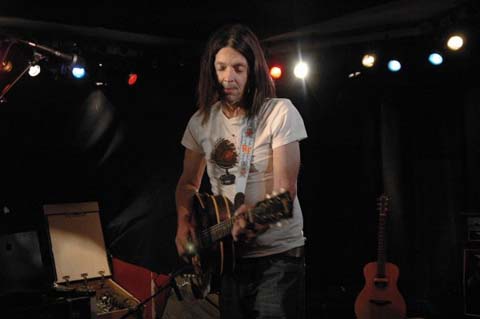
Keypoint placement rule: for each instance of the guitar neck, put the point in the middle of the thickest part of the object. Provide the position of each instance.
(220, 230)
(382, 242)
(224, 228)
(272, 209)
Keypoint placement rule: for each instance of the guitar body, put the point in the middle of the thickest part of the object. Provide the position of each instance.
(214, 257)
(380, 298)
(214, 252)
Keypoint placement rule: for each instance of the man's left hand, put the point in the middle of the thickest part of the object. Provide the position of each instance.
(243, 229)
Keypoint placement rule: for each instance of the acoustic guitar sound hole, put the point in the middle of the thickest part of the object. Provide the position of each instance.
(381, 284)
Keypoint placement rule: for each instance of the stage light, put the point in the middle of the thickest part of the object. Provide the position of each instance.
(354, 74)
(132, 79)
(100, 76)
(301, 70)
(394, 65)
(435, 58)
(276, 72)
(368, 60)
(455, 42)
(78, 72)
(34, 70)
(7, 66)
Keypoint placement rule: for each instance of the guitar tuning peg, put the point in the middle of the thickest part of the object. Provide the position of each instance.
(282, 190)
(267, 196)
(274, 193)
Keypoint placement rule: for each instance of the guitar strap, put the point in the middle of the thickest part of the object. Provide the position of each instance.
(246, 154)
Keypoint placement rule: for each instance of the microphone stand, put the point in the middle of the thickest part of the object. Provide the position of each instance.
(170, 283)
(73, 59)
(37, 57)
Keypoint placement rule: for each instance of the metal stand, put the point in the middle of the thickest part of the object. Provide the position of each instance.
(36, 59)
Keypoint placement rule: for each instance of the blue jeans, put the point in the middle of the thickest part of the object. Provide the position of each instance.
(264, 287)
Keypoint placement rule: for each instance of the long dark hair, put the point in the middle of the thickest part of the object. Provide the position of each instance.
(259, 85)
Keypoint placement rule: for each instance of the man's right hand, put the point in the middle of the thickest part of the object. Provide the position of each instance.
(185, 240)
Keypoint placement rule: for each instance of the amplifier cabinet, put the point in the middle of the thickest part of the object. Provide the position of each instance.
(473, 228)
(80, 259)
(471, 282)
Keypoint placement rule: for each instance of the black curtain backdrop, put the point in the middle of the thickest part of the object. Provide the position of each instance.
(415, 140)
(413, 136)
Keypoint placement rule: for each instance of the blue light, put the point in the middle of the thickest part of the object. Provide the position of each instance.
(435, 59)
(78, 72)
(394, 65)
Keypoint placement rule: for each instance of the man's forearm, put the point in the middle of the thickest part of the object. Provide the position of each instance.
(183, 197)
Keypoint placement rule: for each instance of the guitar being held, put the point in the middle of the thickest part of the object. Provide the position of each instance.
(243, 229)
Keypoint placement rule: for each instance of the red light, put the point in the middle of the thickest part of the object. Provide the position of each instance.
(276, 72)
(132, 78)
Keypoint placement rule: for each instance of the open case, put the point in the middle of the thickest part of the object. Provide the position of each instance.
(81, 261)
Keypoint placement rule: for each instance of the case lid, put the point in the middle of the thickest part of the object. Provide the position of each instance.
(77, 241)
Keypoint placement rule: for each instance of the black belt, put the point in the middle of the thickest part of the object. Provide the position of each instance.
(295, 252)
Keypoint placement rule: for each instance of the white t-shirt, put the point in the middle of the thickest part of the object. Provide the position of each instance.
(219, 140)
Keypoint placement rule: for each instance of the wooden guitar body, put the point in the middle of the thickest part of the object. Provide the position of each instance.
(380, 298)
(214, 247)
(215, 256)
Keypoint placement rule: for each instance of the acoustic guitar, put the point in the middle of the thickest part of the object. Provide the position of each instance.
(213, 253)
(380, 298)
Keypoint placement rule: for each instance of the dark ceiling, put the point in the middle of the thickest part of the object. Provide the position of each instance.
(144, 31)
(279, 24)
(186, 19)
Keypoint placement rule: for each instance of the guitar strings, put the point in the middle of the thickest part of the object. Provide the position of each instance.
(223, 226)
(217, 227)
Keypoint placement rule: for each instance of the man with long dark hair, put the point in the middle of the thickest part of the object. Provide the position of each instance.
(236, 101)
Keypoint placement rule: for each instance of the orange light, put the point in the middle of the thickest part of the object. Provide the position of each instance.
(7, 66)
(132, 78)
(276, 72)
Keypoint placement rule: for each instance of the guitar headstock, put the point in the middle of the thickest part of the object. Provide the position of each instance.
(274, 208)
(383, 202)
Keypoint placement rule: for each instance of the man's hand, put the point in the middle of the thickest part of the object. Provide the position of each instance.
(243, 229)
(186, 240)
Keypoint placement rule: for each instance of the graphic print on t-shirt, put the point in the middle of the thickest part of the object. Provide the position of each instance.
(225, 156)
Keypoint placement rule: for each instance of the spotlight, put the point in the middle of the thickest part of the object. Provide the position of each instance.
(34, 70)
(6, 66)
(455, 42)
(301, 70)
(132, 79)
(276, 72)
(78, 72)
(394, 65)
(435, 58)
(368, 60)
(100, 76)
(354, 74)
